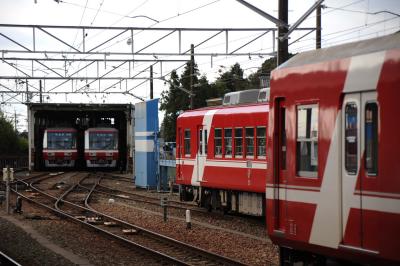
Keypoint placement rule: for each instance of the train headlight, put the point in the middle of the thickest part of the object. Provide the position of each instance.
(50, 154)
(67, 153)
(92, 154)
(109, 154)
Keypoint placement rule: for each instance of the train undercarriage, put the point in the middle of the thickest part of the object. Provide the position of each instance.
(226, 201)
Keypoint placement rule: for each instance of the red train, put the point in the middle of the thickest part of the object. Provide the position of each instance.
(59, 147)
(333, 180)
(221, 155)
(333, 177)
(101, 147)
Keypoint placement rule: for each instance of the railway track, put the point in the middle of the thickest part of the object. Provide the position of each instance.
(131, 196)
(73, 204)
(174, 204)
(6, 260)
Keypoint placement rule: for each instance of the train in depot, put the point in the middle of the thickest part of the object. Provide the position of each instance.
(221, 153)
(333, 177)
(80, 136)
(59, 147)
(101, 147)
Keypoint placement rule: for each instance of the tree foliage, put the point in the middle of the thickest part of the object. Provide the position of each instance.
(11, 143)
(176, 100)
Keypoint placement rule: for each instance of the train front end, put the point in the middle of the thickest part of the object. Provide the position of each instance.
(59, 147)
(101, 147)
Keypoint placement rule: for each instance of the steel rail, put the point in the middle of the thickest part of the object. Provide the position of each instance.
(201, 252)
(61, 213)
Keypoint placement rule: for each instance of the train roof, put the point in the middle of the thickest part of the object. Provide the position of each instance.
(78, 107)
(60, 129)
(101, 129)
(230, 109)
(387, 42)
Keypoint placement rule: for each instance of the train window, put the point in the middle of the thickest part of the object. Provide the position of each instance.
(261, 142)
(371, 138)
(103, 140)
(238, 142)
(206, 141)
(186, 143)
(283, 139)
(228, 142)
(61, 140)
(351, 141)
(200, 141)
(218, 142)
(249, 142)
(307, 141)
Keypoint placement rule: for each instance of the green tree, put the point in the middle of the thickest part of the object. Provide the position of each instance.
(172, 102)
(9, 139)
(231, 80)
(264, 70)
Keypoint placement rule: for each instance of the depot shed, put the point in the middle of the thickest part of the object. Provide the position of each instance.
(80, 117)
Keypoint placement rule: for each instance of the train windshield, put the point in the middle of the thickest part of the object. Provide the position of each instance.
(103, 140)
(61, 140)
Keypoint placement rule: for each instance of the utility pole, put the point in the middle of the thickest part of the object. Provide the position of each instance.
(151, 82)
(318, 30)
(27, 91)
(283, 50)
(40, 91)
(191, 74)
(15, 120)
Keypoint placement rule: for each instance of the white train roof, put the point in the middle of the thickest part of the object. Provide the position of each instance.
(387, 42)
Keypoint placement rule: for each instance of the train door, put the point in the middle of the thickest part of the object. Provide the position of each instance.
(179, 152)
(280, 178)
(359, 161)
(201, 151)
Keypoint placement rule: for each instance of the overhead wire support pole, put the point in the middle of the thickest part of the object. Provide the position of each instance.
(278, 22)
(283, 50)
(191, 74)
(302, 18)
(151, 82)
(318, 30)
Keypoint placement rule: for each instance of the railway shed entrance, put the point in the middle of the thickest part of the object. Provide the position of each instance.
(42, 116)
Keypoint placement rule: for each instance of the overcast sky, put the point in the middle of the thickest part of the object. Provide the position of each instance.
(342, 21)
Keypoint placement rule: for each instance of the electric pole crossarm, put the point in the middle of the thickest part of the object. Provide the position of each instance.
(110, 39)
(301, 19)
(278, 22)
(156, 41)
(206, 40)
(13, 66)
(58, 39)
(17, 43)
(247, 43)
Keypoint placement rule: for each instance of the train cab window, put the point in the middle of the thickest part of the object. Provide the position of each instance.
(307, 141)
(351, 141)
(186, 143)
(228, 142)
(261, 142)
(218, 142)
(61, 140)
(238, 142)
(371, 138)
(249, 142)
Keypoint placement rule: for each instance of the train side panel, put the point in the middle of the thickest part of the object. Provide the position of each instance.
(226, 165)
(333, 188)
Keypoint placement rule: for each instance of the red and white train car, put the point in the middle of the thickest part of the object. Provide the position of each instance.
(59, 147)
(101, 147)
(221, 157)
(333, 188)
